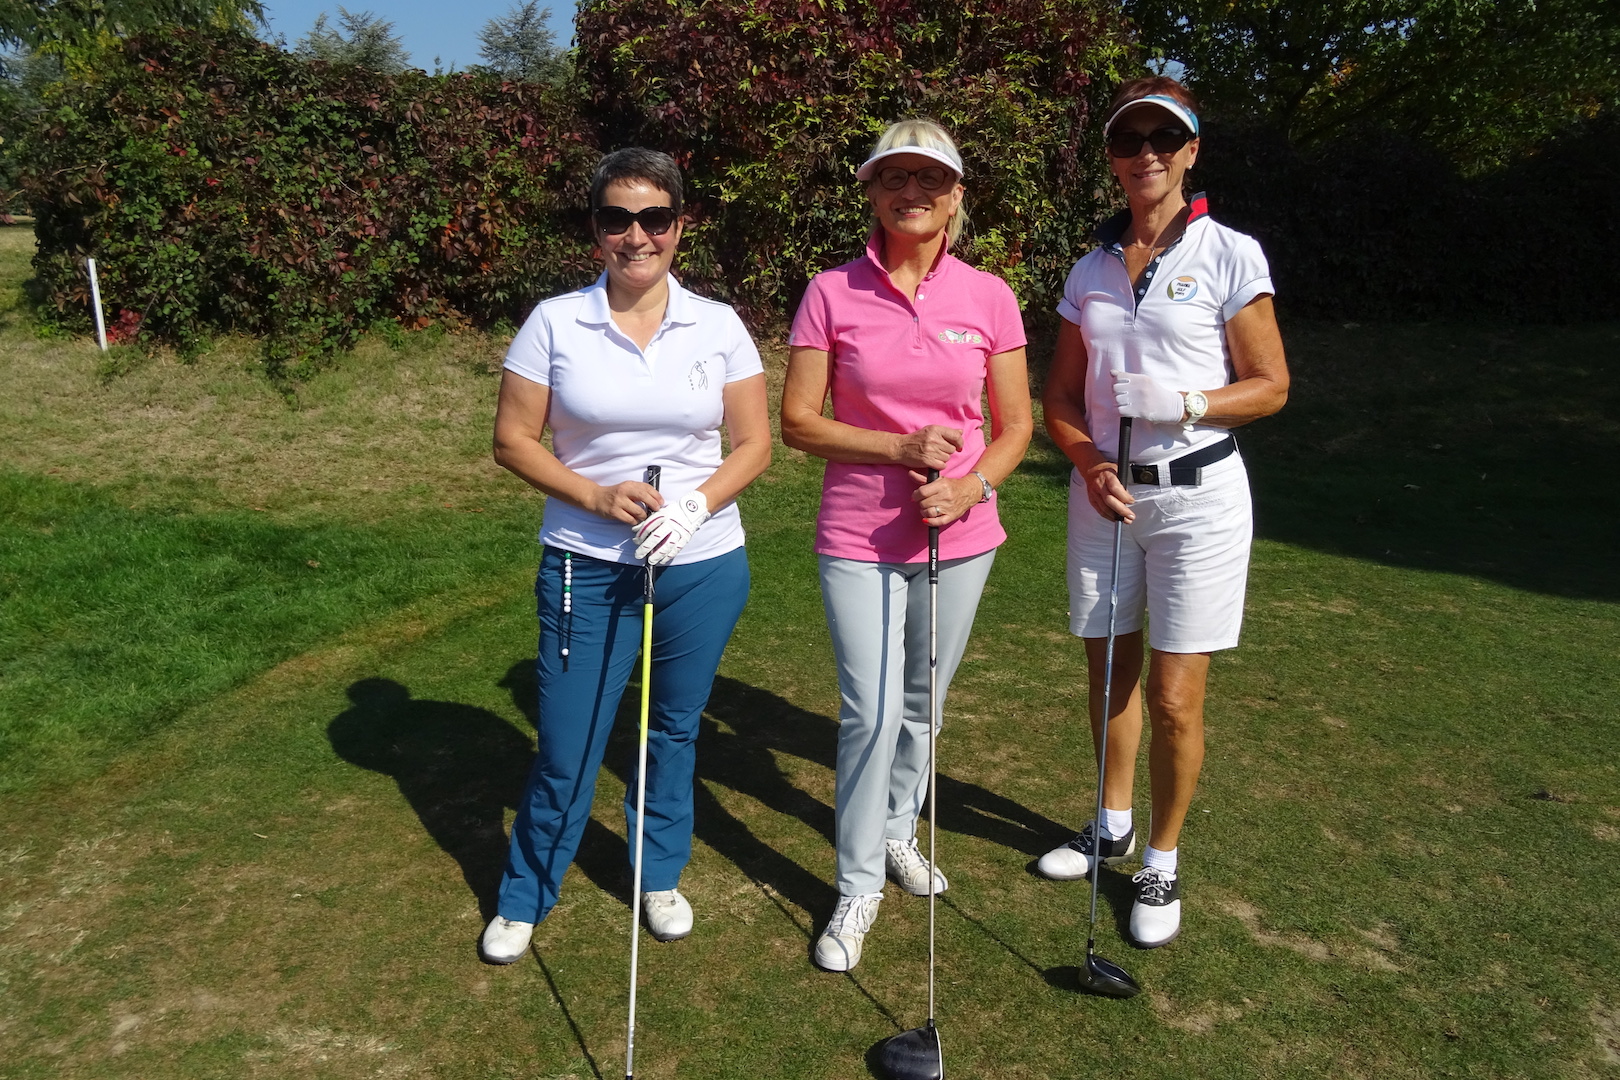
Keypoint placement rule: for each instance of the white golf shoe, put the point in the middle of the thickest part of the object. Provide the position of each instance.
(908, 869)
(505, 940)
(839, 947)
(1072, 861)
(1156, 915)
(668, 915)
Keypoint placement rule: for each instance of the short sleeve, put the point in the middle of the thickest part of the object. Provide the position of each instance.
(1073, 290)
(1248, 276)
(530, 352)
(742, 358)
(810, 323)
(1006, 321)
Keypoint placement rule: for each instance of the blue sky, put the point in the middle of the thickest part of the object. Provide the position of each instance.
(429, 28)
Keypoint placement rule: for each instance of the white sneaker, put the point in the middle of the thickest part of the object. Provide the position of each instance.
(505, 940)
(908, 869)
(668, 915)
(1156, 915)
(839, 947)
(1072, 861)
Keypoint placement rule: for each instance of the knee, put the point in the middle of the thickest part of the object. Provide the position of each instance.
(1177, 717)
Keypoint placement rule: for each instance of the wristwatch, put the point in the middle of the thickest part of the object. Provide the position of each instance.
(988, 490)
(1197, 406)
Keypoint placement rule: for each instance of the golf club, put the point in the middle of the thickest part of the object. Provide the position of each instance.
(1104, 976)
(652, 476)
(917, 1054)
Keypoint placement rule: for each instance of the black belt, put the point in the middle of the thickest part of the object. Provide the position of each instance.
(1187, 470)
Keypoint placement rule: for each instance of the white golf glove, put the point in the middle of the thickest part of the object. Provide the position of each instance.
(660, 537)
(1141, 397)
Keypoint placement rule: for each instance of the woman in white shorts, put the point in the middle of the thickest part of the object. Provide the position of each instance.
(1168, 321)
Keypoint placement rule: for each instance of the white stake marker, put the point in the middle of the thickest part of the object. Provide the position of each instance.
(95, 302)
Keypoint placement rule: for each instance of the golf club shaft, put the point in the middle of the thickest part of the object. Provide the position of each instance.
(1108, 691)
(652, 477)
(933, 728)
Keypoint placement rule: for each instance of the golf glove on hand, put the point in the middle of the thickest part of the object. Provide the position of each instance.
(661, 536)
(1141, 397)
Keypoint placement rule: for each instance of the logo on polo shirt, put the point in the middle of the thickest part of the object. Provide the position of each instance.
(698, 377)
(1183, 288)
(961, 337)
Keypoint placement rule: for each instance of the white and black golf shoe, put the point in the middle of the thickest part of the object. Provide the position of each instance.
(505, 940)
(668, 915)
(1072, 861)
(1156, 915)
(908, 869)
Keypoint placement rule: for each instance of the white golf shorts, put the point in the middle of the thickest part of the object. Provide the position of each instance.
(1184, 560)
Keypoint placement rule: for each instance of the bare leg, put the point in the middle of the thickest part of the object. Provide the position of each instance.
(1125, 726)
(1176, 683)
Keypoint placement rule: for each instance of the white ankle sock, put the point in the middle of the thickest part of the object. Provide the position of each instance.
(1116, 823)
(1160, 860)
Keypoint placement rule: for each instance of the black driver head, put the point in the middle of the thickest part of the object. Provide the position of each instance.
(913, 1055)
(1107, 978)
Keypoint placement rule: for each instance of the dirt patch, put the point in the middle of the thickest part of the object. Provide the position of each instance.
(1198, 1020)
(1606, 1025)
(1377, 954)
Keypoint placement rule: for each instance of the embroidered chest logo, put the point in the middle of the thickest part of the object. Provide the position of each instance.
(961, 337)
(1183, 288)
(698, 377)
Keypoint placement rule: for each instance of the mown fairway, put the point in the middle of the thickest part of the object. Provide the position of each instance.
(265, 707)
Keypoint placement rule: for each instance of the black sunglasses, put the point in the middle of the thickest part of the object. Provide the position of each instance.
(929, 177)
(1166, 140)
(654, 220)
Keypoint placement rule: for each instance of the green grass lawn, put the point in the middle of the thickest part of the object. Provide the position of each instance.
(266, 706)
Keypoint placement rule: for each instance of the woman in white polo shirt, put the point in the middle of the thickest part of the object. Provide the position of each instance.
(1169, 321)
(630, 372)
(906, 340)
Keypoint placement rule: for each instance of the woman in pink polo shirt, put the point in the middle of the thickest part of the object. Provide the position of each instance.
(905, 339)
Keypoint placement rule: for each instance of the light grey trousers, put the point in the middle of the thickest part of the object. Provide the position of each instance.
(878, 615)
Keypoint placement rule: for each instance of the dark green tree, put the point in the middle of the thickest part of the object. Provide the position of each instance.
(365, 40)
(521, 46)
(1484, 80)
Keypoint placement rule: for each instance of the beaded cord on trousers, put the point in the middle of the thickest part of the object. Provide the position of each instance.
(568, 605)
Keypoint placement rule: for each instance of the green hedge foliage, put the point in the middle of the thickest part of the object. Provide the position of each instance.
(227, 185)
(771, 104)
(223, 184)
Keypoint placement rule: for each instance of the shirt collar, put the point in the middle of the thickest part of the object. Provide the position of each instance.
(1111, 232)
(874, 255)
(594, 310)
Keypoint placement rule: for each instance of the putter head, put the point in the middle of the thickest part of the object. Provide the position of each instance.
(913, 1055)
(1107, 978)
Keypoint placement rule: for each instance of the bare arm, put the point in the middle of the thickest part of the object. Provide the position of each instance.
(804, 428)
(520, 421)
(1256, 349)
(1012, 422)
(1064, 404)
(748, 425)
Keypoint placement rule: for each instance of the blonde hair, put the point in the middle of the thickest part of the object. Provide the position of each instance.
(928, 135)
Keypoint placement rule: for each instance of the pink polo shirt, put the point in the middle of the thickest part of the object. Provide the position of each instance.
(899, 365)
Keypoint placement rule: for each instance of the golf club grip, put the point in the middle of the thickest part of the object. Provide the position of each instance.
(652, 476)
(933, 540)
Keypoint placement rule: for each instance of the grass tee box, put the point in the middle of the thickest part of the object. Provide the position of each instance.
(256, 808)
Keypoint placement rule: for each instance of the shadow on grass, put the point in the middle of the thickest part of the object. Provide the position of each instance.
(1458, 448)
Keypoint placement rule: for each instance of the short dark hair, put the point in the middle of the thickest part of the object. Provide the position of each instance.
(1153, 84)
(636, 163)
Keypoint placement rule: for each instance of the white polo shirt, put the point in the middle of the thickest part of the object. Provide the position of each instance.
(1171, 328)
(615, 409)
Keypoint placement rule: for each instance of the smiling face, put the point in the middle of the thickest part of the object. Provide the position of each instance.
(1150, 176)
(636, 262)
(911, 210)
